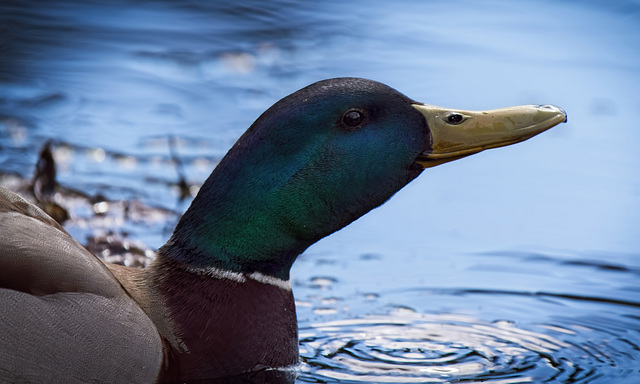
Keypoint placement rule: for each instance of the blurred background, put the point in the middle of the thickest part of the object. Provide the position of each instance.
(514, 265)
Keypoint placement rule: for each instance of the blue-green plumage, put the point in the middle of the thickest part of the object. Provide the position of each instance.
(299, 173)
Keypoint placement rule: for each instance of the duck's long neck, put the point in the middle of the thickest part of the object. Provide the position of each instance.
(246, 217)
(271, 197)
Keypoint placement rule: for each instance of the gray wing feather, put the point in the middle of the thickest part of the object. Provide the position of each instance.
(63, 316)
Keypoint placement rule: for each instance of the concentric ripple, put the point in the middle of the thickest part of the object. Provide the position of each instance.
(417, 348)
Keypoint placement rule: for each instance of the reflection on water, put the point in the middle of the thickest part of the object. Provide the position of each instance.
(517, 318)
(406, 347)
(128, 90)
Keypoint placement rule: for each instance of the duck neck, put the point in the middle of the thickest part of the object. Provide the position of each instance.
(271, 197)
(242, 220)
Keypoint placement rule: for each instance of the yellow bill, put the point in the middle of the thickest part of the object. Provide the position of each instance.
(459, 133)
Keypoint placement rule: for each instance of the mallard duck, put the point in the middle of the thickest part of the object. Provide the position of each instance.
(217, 300)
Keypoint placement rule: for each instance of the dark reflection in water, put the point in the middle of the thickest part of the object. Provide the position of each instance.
(415, 291)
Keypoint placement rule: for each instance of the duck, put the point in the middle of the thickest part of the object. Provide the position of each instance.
(217, 300)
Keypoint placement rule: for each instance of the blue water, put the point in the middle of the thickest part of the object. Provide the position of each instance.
(515, 265)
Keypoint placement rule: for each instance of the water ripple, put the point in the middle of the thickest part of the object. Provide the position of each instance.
(410, 347)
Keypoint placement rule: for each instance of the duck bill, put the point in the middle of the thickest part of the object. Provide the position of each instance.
(457, 133)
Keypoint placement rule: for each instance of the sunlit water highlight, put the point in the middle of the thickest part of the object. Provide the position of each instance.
(407, 347)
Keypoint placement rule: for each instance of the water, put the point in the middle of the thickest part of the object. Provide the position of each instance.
(518, 265)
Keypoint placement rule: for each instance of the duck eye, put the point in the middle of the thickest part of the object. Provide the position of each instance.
(455, 118)
(352, 119)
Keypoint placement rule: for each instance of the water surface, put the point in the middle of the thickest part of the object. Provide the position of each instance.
(512, 266)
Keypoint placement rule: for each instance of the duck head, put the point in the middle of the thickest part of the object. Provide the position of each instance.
(321, 158)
